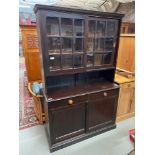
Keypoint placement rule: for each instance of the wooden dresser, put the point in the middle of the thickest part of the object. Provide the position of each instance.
(126, 102)
(78, 51)
(31, 52)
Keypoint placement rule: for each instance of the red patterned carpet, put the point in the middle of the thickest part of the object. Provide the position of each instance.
(27, 116)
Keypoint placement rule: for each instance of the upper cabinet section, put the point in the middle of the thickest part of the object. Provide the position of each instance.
(77, 40)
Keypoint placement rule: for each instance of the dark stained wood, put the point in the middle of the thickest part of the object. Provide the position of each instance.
(101, 109)
(67, 122)
(79, 102)
(77, 139)
(79, 11)
(81, 89)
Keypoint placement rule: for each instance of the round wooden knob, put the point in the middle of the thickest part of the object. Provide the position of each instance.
(70, 102)
(105, 94)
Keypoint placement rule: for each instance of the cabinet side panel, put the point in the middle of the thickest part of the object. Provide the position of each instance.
(117, 41)
(40, 19)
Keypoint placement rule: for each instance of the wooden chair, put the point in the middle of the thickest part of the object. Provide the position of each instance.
(38, 107)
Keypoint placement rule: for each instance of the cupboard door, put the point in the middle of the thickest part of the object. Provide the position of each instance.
(67, 122)
(125, 99)
(101, 110)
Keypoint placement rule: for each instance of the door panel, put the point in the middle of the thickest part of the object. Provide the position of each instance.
(124, 99)
(33, 66)
(67, 122)
(101, 111)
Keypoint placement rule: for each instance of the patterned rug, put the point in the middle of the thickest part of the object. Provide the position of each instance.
(27, 116)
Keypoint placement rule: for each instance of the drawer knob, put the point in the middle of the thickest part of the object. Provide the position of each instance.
(105, 94)
(70, 102)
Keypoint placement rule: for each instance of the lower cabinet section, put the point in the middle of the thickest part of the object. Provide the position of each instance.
(74, 119)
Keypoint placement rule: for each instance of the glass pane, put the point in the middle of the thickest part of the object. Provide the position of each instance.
(98, 59)
(79, 27)
(54, 45)
(54, 62)
(66, 27)
(90, 59)
(99, 46)
(78, 61)
(53, 26)
(67, 45)
(110, 28)
(91, 44)
(100, 28)
(79, 44)
(107, 58)
(109, 44)
(91, 28)
(66, 61)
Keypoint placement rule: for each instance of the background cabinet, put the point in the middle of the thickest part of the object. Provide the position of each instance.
(126, 102)
(31, 52)
(128, 28)
(126, 52)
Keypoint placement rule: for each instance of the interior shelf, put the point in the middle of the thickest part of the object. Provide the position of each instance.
(92, 86)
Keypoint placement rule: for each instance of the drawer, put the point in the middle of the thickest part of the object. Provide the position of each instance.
(68, 102)
(128, 85)
(103, 94)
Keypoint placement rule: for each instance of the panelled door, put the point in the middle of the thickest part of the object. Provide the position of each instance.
(101, 110)
(68, 121)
